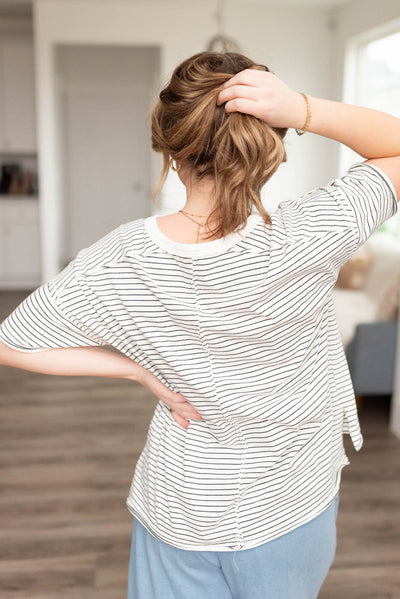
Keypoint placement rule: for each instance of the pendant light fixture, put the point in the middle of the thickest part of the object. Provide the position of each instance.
(221, 42)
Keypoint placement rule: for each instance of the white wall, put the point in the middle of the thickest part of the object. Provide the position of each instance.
(295, 43)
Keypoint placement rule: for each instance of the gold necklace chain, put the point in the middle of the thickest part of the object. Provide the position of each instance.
(191, 214)
(194, 221)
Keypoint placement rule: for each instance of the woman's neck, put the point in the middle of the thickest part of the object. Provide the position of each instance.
(199, 198)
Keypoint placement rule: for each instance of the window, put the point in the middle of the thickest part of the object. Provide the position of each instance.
(373, 80)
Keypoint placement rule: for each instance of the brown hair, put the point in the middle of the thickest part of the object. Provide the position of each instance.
(239, 150)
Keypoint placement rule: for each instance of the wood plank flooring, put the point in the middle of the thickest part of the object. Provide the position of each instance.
(68, 448)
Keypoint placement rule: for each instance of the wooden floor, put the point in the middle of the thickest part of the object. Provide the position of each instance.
(68, 447)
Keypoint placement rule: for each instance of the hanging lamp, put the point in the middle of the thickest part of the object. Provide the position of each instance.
(221, 42)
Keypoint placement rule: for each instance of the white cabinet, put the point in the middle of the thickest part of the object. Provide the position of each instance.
(17, 95)
(19, 215)
(19, 243)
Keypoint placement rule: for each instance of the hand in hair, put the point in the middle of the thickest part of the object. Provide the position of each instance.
(265, 96)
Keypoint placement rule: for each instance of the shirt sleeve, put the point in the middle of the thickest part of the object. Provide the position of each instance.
(62, 312)
(40, 322)
(370, 194)
(340, 216)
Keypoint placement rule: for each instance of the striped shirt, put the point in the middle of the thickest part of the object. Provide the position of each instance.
(244, 327)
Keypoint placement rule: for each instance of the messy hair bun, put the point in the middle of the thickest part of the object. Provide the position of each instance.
(239, 150)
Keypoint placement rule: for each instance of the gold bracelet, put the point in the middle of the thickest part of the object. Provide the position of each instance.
(308, 117)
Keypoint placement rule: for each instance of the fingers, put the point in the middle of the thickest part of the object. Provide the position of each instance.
(245, 106)
(178, 402)
(248, 93)
(180, 419)
(237, 91)
(260, 94)
(247, 77)
(181, 410)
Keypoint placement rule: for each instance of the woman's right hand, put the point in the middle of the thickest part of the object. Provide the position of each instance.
(181, 410)
(96, 361)
(265, 96)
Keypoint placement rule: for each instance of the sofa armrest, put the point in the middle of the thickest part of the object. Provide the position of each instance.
(371, 358)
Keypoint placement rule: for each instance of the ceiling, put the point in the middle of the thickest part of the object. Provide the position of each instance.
(24, 7)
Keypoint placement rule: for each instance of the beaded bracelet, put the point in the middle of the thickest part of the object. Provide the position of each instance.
(308, 117)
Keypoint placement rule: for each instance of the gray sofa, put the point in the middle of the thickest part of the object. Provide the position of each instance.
(367, 319)
(371, 358)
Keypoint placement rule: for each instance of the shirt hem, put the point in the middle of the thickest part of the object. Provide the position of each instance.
(225, 547)
(16, 347)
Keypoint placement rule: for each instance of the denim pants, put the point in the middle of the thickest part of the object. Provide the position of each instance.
(292, 566)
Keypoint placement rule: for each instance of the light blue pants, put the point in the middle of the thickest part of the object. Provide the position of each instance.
(293, 566)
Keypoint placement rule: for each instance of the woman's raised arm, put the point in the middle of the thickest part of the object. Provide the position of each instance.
(373, 134)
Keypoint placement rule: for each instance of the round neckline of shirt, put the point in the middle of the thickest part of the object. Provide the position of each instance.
(204, 248)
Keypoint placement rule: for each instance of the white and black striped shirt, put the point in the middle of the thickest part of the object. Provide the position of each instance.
(244, 327)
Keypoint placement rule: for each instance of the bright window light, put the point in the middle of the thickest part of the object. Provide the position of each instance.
(379, 88)
(380, 83)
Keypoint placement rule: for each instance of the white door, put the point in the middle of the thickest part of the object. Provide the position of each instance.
(106, 144)
(107, 164)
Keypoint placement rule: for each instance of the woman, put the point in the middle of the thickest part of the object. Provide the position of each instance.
(224, 312)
